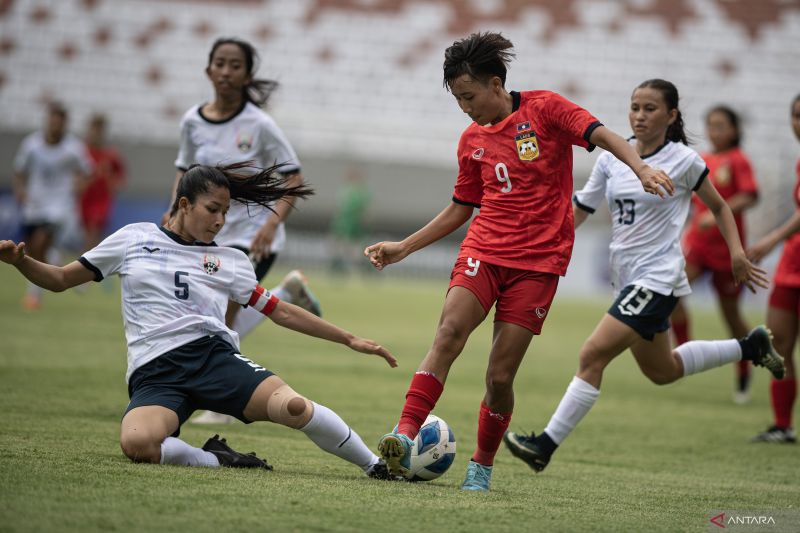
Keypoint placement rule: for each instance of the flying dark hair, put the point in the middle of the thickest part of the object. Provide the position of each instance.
(733, 118)
(796, 99)
(257, 91)
(481, 55)
(254, 186)
(669, 92)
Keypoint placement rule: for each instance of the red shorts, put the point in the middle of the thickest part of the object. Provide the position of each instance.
(785, 298)
(721, 277)
(523, 296)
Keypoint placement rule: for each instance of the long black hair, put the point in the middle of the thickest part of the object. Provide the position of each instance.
(733, 118)
(481, 55)
(669, 92)
(247, 183)
(257, 91)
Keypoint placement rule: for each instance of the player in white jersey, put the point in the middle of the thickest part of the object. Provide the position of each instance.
(176, 284)
(234, 128)
(49, 168)
(647, 268)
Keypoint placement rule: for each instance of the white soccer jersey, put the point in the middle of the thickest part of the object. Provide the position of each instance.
(250, 134)
(645, 239)
(50, 171)
(173, 292)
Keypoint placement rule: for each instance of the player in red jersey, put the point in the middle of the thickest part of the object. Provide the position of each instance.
(515, 165)
(704, 247)
(783, 313)
(106, 179)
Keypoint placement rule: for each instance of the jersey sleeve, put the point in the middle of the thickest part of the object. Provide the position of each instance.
(107, 257)
(592, 194)
(696, 172)
(573, 122)
(22, 160)
(187, 150)
(276, 149)
(244, 280)
(469, 186)
(743, 175)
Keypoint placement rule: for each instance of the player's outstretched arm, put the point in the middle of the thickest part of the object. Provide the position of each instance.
(298, 319)
(50, 277)
(653, 180)
(446, 222)
(743, 270)
(769, 241)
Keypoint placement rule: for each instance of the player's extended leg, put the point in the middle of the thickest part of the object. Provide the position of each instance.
(609, 339)
(783, 392)
(738, 328)
(509, 344)
(679, 319)
(275, 401)
(462, 313)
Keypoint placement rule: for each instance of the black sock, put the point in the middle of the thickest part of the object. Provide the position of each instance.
(749, 348)
(545, 443)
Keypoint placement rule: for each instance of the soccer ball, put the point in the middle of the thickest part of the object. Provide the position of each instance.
(433, 451)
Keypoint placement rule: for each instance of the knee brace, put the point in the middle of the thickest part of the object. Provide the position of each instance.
(288, 408)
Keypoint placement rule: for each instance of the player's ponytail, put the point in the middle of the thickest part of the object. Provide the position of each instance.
(257, 91)
(247, 183)
(676, 131)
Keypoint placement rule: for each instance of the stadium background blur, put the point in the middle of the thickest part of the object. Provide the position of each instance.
(361, 87)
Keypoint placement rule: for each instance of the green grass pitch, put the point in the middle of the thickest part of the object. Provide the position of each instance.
(646, 458)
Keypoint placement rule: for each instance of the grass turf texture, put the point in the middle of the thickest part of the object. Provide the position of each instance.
(647, 457)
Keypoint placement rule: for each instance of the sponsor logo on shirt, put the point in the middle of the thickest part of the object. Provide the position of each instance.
(150, 250)
(523, 126)
(527, 146)
(244, 141)
(722, 176)
(211, 264)
(477, 154)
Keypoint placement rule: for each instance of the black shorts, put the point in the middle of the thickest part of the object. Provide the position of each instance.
(645, 311)
(29, 228)
(204, 374)
(263, 266)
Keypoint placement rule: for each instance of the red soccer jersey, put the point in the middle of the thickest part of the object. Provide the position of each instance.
(731, 174)
(519, 173)
(788, 271)
(109, 172)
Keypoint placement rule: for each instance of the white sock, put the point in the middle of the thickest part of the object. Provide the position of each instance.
(281, 293)
(246, 320)
(328, 431)
(176, 452)
(577, 401)
(698, 356)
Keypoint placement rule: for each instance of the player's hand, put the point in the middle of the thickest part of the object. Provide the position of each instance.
(746, 272)
(656, 181)
(262, 242)
(369, 346)
(706, 220)
(385, 253)
(11, 252)
(759, 250)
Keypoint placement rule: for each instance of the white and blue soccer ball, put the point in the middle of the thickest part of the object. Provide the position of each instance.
(433, 451)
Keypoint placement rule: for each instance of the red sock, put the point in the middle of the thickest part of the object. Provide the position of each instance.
(783, 393)
(681, 331)
(422, 395)
(491, 427)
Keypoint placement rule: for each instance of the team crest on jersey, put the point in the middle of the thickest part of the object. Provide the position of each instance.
(527, 146)
(523, 126)
(244, 142)
(211, 264)
(477, 154)
(722, 176)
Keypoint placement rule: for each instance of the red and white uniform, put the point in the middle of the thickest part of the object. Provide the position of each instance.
(788, 272)
(732, 174)
(519, 172)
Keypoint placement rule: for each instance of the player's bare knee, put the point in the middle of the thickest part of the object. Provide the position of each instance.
(140, 447)
(288, 408)
(449, 338)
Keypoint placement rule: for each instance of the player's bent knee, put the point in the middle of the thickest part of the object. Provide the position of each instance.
(288, 408)
(449, 338)
(140, 447)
